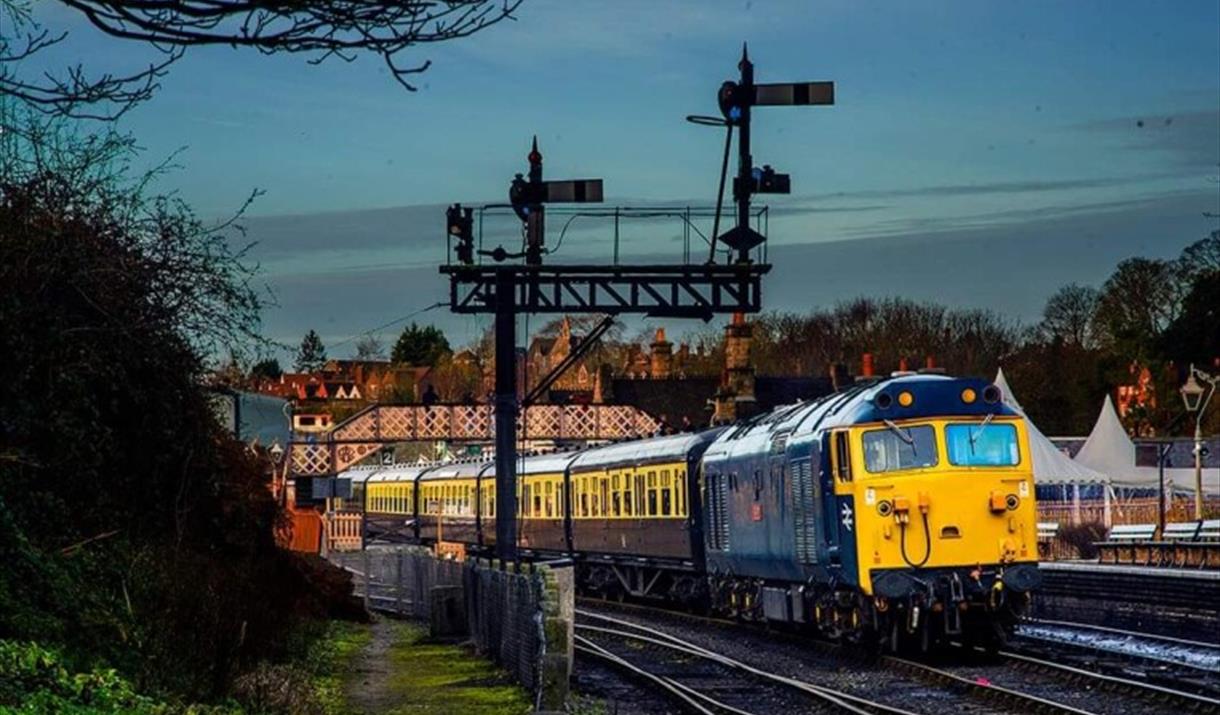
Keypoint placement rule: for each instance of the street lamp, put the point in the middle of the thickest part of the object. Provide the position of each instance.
(1197, 398)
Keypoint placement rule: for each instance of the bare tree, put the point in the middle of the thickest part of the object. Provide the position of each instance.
(321, 29)
(370, 347)
(1069, 315)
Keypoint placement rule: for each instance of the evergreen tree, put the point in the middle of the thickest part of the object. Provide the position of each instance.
(421, 346)
(311, 355)
(268, 369)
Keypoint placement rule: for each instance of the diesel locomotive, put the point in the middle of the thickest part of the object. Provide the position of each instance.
(898, 512)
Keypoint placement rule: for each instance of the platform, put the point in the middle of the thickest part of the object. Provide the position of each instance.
(1180, 603)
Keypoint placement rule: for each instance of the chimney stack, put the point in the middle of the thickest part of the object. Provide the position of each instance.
(735, 399)
(662, 358)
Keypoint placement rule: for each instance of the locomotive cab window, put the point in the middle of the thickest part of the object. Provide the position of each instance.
(899, 447)
(982, 444)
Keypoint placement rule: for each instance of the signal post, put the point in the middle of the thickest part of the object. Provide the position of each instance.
(505, 289)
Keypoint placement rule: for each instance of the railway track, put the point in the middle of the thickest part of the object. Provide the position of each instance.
(1007, 682)
(710, 692)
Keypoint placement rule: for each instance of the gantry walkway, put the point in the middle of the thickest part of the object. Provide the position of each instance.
(378, 425)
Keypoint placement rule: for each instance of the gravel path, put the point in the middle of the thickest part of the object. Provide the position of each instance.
(367, 689)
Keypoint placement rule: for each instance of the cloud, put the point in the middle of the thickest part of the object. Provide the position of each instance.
(997, 187)
(1009, 265)
(1190, 138)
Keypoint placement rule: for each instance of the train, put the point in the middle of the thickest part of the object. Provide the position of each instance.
(898, 513)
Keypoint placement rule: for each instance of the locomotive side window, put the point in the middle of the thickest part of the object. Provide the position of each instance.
(842, 457)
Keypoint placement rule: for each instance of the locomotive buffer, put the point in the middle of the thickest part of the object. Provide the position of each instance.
(505, 289)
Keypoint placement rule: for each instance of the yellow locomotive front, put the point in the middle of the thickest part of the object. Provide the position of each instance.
(946, 532)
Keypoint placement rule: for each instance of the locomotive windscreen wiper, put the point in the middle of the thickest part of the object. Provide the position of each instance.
(904, 436)
(974, 436)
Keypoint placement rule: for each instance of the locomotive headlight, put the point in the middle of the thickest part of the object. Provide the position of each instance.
(906, 399)
(969, 395)
(1011, 502)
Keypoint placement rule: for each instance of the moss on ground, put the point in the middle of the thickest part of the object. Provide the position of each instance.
(441, 678)
(331, 657)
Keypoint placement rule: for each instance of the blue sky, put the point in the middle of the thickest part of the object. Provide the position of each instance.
(951, 117)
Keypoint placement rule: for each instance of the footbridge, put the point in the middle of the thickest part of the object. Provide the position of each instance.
(371, 429)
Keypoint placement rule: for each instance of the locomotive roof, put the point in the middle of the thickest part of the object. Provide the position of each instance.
(644, 451)
(934, 395)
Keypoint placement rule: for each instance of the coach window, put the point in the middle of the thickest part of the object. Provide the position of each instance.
(489, 501)
(666, 493)
(641, 495)
(653, 498)
(550, 499)
(680, 490)
(537, 501)
(584, 496)
(561, 507)
(605, 484)
(628, 495)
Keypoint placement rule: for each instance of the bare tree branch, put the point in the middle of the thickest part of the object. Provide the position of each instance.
(322, 28)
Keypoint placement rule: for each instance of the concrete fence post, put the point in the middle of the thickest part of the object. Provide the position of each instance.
(398, 583)
(364, 563)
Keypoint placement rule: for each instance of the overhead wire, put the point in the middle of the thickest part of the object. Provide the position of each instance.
(392, 323)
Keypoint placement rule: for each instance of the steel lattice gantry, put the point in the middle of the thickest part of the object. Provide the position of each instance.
(680, 291)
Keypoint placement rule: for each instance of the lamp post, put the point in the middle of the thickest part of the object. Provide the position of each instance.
(1197, 398)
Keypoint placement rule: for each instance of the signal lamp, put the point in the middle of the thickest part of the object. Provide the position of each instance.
(969, 396)
(906, 399)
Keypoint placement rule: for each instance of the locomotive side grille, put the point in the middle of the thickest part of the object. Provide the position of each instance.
(718, 518)
(803, 511)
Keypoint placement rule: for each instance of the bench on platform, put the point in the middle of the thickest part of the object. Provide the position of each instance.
(1048, 532)
(1171, 549)
(1207, 543)
(1131, 537)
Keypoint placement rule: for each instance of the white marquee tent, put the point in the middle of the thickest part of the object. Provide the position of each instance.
(1051, 466)
(1110, 451)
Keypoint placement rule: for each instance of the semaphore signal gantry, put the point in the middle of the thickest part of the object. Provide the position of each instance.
(683, 290)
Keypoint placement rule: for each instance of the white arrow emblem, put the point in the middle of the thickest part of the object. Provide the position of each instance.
(847, 516)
